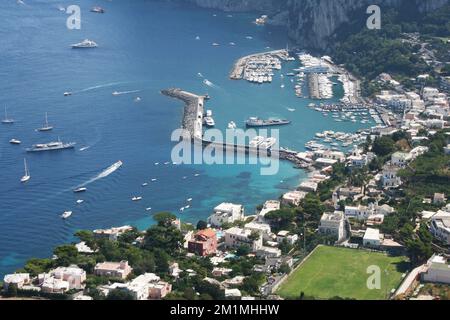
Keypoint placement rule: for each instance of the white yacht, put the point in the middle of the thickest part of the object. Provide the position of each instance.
(232, 125)
(46, 126)
(27, 176)
(85, 44)
(15, 141)
(7, 120)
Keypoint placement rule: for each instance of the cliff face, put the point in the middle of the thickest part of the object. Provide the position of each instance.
(311, 23)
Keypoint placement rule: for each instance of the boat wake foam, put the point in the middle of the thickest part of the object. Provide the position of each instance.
(105, 173)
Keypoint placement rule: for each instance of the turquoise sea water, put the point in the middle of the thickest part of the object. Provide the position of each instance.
(145, 46)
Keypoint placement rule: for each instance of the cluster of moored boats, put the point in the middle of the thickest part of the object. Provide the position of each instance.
(326, 139)
(50, 146)
(260, 68)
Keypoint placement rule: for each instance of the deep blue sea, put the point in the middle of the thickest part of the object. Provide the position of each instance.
(144, 46)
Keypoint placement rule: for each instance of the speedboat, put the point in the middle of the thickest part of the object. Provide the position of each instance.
(136, 199)
(79, 190)
(66, 214)
(15, 141)
(80, 201)
(85, 44)
(98, 10)
(67, 93)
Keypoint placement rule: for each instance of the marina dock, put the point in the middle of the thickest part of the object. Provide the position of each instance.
(237, 73)
(193, 111)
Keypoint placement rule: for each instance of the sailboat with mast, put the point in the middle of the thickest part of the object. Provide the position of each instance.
(7, 120)
(27, 175)
(46, 126)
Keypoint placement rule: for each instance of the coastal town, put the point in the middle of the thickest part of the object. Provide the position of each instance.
(371, 220)
(344, 204)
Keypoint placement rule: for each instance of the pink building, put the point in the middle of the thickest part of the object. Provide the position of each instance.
(204, 243)
(113, 269)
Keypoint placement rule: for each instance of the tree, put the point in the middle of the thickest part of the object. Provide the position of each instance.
(167, 238)
(202, 225)
(164, 219)
(66, 255)
(243, 250)
(383, 146)
(118, 294)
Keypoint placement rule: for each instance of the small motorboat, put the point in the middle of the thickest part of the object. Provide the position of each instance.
(15, 141)
(136, 199)
(79, 190)
(66, 214)
(67, 93)
(80, 201)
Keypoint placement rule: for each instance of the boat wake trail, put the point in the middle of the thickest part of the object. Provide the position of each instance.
(100, 86)
(119, 93)
(105, 173)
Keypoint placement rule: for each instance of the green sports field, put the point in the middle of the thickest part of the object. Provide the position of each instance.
(338, 272)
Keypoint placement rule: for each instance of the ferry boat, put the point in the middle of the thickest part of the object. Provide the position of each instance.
(51, 146)
(256, 122)
(15, 141)
(46, 126)
(85, 44)
(7, 120)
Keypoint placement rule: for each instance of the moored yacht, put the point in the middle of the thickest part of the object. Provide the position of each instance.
(27, 176)
(46, 126)
(7, 120)
(51, 146)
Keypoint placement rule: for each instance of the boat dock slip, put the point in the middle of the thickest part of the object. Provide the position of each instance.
(237, 73)
(193, 110)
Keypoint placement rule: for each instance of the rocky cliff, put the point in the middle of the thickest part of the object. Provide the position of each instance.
(312, 23)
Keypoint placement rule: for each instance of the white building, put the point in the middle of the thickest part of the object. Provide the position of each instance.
(269, 206)
(389, 177)
(372, 238)
(17, 279)
(440, 226)
(226, 213)
(360, 212)
(236, 237)
(400, 159)
(112, 233)
(268, 252)
(286, 236)
(333, 224)
(309, 186)
(262, 228)
(73, 275)
(293, 198)
(233, 294)
(438, 270)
